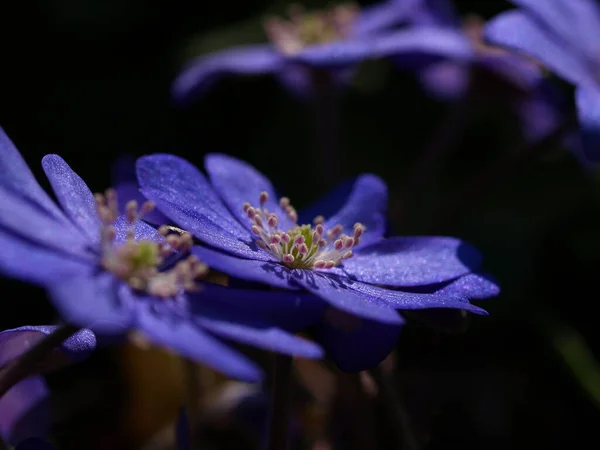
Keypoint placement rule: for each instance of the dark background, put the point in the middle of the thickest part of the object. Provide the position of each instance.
(89, 80)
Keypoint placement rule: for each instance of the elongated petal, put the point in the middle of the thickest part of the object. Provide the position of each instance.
(575, 21)
(369, 301)
(29, 262)
(184, 195)
(16, 176)
(518, 31)
(238, 182)
(429, 41)
(141, 231)
(96, 301)
(475, 286)
(588, 109)
(73, 195)
(290, 310)
(187, 339)
(25, 410)
(21, 218)
(199, 76)
(267, 272)
(328, 204)
(435, 12)
(385, 14)
(367, 204)
(411, 261)
(356, 344)
(222, 312)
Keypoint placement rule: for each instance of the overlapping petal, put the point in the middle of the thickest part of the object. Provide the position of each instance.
(429, 41)
(237, 182)
(356, 344)
(96, 300)
(380, 16)
(518, 31)
(411, 261)
(73, 195)
(202, 72)
(187, 339)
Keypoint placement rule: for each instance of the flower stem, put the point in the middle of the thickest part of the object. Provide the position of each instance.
(326, 113)
(26, 364)
(487, 179)
(280, 408)
(398, 419)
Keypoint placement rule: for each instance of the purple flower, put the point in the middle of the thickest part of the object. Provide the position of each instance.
(335, 40)
(24, 410)
(448, 79)
(565, 36)
(117, 274)
(342, 259)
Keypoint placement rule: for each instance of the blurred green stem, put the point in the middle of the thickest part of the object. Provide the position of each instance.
(281, 405)
(27, 363)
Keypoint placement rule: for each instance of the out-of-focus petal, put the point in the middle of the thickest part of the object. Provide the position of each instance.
(428, 41)
(588, 109)
(201, 73)
(380, 16)
(518, 31)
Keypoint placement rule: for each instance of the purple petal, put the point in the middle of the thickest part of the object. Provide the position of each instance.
(34, 444)
(141, 231)
(367, 204)
(435, 12)
(383, 15)
(340, 293)
(96, 301)
(328, 204)
(430, 41)
(25, 411)
(29, 262)
(24, 219)
(575, 21)
(520, 32)
(238, 182)
(187, 339)
(73, 195)
(18, 340)
(227, 313)
(446, 80)
(539, 116)
(588, 110)
(16, 176)
(347, 294)
(296, 78)
(356, 344)
(184, 195)
(290, 310)
(199, 76)
(129, 190)
(411, 261)
(475, 286)
(267, 272)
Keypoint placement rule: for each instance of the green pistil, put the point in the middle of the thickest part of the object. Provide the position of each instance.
(144, 256)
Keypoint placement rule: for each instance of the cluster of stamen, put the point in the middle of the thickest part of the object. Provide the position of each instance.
(303, 246)
(305, 29)
(138, 262)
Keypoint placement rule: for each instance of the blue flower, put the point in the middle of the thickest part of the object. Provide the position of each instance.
(24, 410)
(334, 40)
(363, 277)
(117, 274)
(448, 79)
(565, 36)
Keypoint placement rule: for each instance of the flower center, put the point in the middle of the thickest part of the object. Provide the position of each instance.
(156, 268)
(306, 29)
(303, 246)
